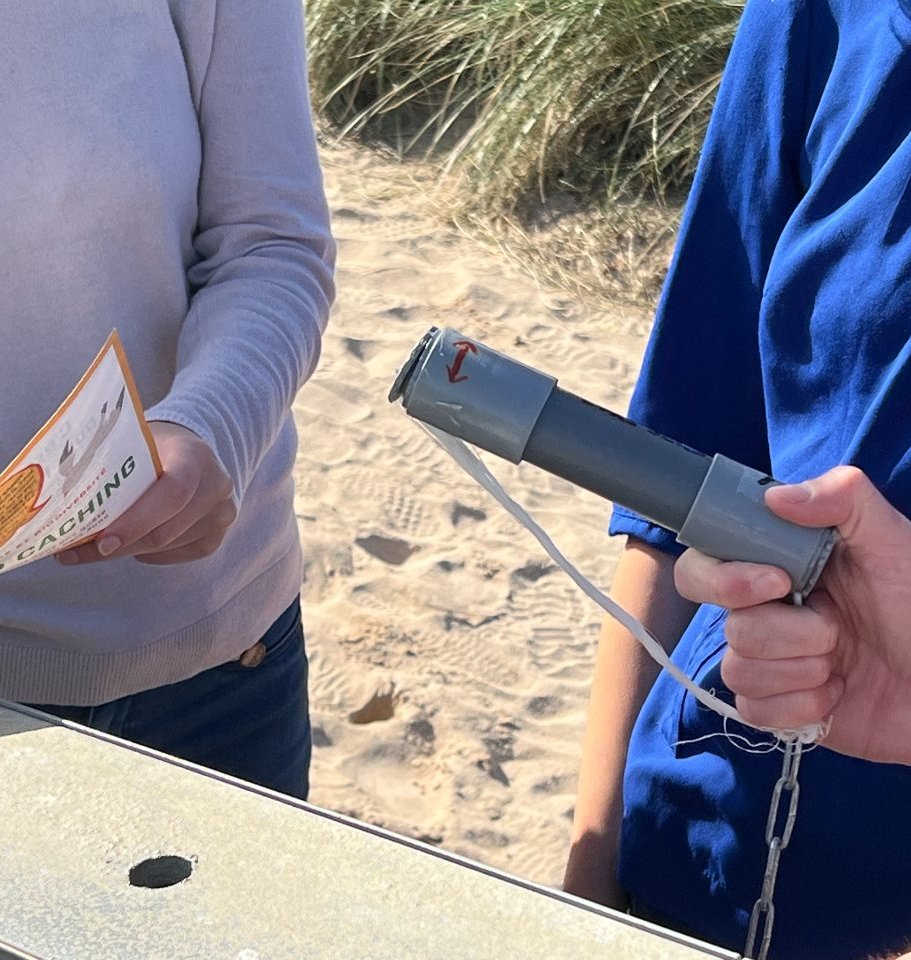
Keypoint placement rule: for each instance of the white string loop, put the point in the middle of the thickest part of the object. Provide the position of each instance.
(474, 467)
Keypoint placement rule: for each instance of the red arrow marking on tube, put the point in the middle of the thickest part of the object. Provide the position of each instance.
(464, 348)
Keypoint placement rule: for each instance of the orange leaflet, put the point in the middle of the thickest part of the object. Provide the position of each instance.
(19, 494)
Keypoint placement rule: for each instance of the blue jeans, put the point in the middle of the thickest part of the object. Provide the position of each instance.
(248, 718)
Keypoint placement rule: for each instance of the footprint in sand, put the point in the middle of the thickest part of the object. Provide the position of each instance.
(405, 513)
(554, 785)
(488, 839)
(421, 734)
(381, 706)
(388, 549)
(460, 512)
(534, 571)
(360, 349)
(545, 707)
(319, 737)
(358, 216)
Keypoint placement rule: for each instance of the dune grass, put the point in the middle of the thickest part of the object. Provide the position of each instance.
(587, 109)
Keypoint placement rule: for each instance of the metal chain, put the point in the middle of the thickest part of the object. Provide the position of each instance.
(764, 908)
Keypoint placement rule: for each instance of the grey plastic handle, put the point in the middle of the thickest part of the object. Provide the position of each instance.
(730, 521)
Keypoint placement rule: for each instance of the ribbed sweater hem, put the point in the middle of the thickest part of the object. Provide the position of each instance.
(38, 674)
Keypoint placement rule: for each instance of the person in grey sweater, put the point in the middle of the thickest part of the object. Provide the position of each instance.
(159, 174)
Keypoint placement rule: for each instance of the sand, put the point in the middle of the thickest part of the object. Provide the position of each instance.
(450, 659)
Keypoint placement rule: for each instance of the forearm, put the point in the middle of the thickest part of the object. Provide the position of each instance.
(623, 676)
(261, 277)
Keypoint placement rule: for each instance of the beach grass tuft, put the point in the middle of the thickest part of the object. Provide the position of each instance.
(574, 105)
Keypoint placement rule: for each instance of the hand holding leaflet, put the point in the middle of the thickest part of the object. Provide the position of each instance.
(183, 516)
(91, 461)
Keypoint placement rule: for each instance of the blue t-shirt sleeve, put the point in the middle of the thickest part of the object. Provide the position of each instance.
(702, 376)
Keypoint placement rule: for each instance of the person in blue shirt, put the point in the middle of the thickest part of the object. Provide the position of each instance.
(783, 340)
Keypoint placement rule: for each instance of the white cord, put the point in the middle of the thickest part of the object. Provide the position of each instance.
(473, 465)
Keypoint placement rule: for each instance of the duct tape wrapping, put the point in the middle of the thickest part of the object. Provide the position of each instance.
(730, 521)
(472, 392)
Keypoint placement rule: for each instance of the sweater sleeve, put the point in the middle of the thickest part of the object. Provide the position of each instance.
(701, 381)
(262, 285)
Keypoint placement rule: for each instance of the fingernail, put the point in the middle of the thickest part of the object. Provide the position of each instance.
(794, 493)
(767, 583)
(68, 558)
(107, 545)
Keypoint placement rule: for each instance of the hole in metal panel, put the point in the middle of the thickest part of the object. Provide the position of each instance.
(158, 872)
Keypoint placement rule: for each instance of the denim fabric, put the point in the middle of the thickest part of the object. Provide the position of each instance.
(251, 722)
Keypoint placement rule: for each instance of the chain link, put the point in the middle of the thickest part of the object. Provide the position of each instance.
(764, 908)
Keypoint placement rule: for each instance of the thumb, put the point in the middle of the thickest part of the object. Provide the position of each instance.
(844, 498)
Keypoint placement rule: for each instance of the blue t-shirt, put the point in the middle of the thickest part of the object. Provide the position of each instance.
(782, 340)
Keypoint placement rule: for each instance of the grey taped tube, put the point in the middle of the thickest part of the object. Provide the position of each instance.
(716, 505)
(730, 521)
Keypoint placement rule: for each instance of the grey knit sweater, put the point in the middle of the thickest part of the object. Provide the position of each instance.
(158, 174)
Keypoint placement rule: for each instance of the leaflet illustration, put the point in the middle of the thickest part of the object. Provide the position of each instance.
(85, 467)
